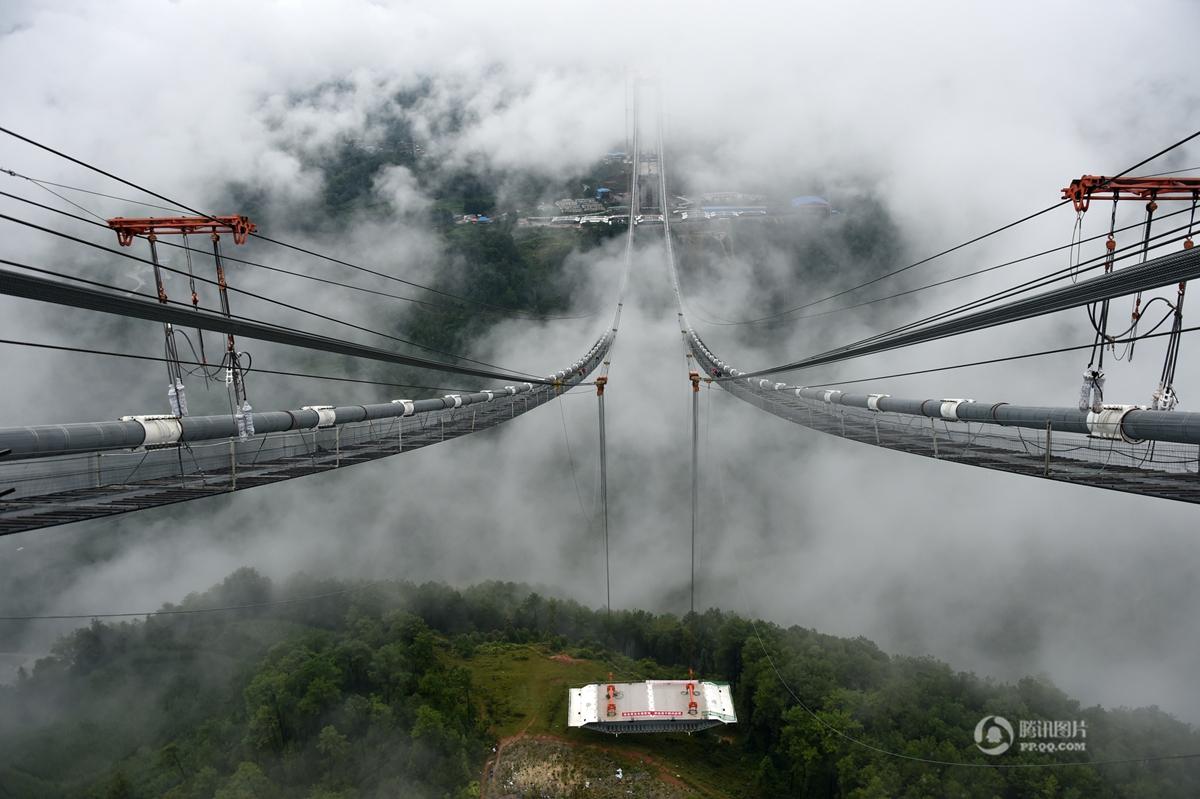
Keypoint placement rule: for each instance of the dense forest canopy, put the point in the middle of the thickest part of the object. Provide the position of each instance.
(388, 689)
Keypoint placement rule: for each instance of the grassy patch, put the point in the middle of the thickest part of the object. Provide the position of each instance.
(524, 689)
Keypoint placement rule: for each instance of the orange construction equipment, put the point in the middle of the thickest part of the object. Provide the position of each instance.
(1151, 190)
(1083, 190)
(239, 226)
(152, 227)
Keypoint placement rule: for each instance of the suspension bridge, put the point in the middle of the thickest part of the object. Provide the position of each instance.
(76, 470)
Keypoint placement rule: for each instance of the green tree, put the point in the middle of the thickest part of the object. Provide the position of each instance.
(248, 782)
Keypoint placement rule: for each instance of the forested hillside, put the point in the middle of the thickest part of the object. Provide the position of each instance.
(393, 689)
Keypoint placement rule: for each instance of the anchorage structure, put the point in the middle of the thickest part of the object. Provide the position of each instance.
(651, 706)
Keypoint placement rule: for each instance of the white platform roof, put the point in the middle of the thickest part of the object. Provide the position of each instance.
(651, 706)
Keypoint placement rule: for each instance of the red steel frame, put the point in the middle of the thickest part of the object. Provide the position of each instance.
(241, 227)
(1083, 190)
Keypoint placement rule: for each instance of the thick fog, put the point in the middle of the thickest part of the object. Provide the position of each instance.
(955, 118)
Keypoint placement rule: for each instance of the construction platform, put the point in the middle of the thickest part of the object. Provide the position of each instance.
(651, 706)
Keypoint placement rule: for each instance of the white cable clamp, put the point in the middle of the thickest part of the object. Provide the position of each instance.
(764, 383)
(160, 431)
(832, 395)
(1108, 423)
(873, 401)
(780, 386)
(1091, 393)
(325, 415)
(409, 407)
(1164, 398)
(528, 386)
(177, 398)
(491, 395)
(949, 410)
(454, 399)
(511, 389)
(244, 419)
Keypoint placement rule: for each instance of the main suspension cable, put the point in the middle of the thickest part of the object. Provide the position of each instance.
(1070, 272)
(127, 303)
(252, 294)
(1153, 274)
(1001, 359)
(923, 330)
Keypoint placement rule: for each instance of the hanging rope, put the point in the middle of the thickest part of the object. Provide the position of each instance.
(1075, 251)
(1165, 398)
(694, 377)
(1091, 394)
(1136, 316)
(601, 382)
(187, 251)
(176, 396)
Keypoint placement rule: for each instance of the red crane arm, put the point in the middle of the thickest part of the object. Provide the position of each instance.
(1083, 190)
(126, 229)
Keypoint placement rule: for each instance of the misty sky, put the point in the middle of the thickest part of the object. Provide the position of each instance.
(956, 117)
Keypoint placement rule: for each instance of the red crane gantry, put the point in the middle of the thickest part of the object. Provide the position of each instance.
(152, 227)
(1083, 190)
(239, 226)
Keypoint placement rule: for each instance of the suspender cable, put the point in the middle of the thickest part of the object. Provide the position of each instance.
(694, 376)
(600, 382)
(1165, 398)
